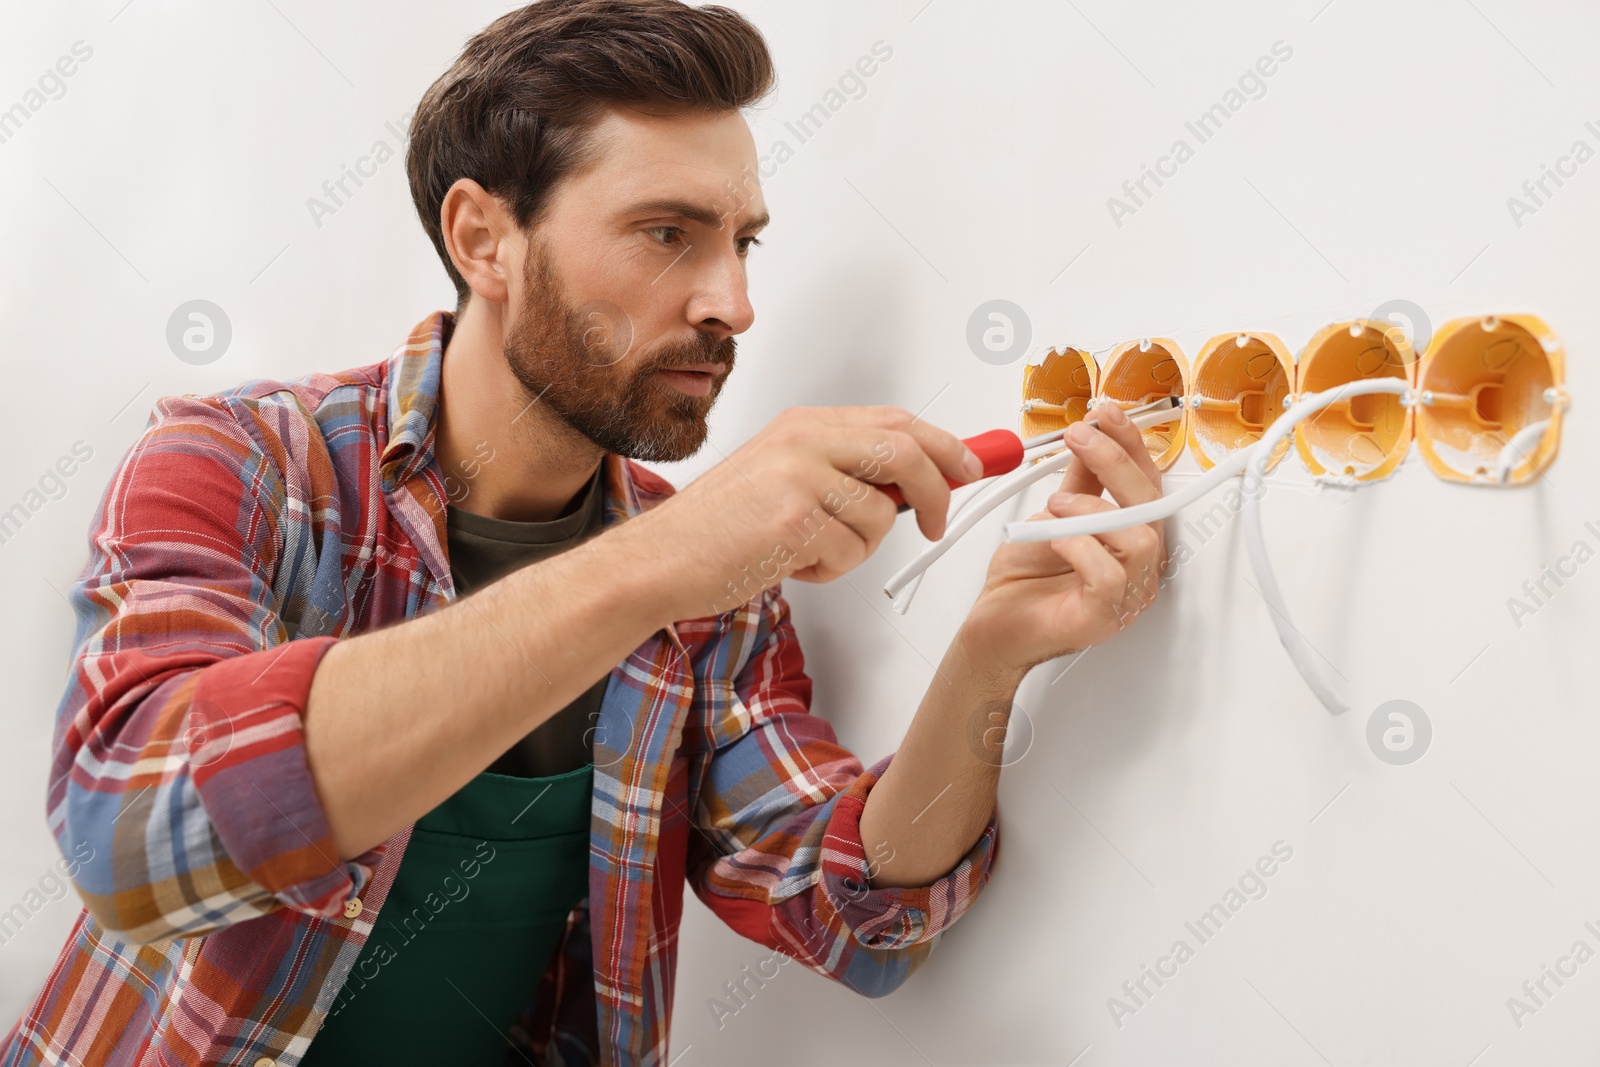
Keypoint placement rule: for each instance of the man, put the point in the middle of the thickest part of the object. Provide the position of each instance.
(404, 702)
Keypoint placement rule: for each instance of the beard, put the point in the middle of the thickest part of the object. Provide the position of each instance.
(581, 363)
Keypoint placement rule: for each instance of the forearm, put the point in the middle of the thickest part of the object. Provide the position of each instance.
(938, 792)
(400, 718)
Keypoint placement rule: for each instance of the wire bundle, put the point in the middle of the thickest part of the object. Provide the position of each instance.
(980, 498)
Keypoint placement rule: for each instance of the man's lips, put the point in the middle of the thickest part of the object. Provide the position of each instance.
(717, 369)
(696, 379)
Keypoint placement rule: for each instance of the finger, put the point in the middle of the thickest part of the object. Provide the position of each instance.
(947, 451)
(1104, 579)
(867, 511)
(853, 451)
(1109, 417)
(1034, 559)
(897, 458)
(1109, 463)
(1140, 551)
(836, 498)
(1078, 478)
(836, 549)
(1135, 546)
(1120, 428)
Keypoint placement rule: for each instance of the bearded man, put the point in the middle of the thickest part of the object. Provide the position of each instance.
(405, 702)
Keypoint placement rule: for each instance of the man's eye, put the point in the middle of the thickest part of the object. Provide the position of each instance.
(675, 231)
(745, 244)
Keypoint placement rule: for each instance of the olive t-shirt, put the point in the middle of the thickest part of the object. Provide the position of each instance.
(483, 550)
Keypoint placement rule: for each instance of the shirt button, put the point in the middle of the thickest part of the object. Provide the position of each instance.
(352, 908)
(266, 1062)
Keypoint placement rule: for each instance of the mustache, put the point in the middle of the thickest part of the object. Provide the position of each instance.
(704, 349)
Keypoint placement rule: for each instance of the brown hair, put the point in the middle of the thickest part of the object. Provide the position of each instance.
(514, 111)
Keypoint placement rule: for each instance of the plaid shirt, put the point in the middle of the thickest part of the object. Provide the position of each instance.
(242, 535)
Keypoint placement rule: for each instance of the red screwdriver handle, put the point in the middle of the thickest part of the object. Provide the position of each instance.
(1000, 451)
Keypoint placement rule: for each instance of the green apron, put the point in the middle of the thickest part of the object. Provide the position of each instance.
(458, 948)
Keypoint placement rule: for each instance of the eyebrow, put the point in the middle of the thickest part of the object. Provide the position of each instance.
(695, 213)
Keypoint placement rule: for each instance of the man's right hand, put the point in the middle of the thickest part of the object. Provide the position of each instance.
(503, 660)
(792, 503)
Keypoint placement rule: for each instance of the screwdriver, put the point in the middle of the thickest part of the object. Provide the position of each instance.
(1001, 451)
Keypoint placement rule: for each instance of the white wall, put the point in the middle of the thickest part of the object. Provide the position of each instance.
(977, 165)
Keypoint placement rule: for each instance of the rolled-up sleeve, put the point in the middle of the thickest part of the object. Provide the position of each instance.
(779, 856)
(179, 784)
(896, 917)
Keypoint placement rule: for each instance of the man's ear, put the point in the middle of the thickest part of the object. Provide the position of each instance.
(480, 235)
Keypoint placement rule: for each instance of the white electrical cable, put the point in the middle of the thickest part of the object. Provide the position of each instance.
(902, 601)
(1003, 488)
(1235, 463)
(1256, 457)
(1046, 439)
(1516, 449)
(1000, 490)
(1162, 404)
(960, 498)
(1301, 653)
(967, 493)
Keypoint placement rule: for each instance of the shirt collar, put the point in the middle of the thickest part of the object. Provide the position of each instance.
(413, 377)
(413, 374)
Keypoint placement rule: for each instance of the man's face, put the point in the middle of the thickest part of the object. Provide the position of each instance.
(635, 283)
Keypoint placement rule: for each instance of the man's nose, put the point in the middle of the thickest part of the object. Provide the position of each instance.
(721, 303)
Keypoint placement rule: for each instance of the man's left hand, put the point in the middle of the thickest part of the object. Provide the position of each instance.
(1049, 598)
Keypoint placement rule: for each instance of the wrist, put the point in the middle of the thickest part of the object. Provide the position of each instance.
(633, 560)
(973, 653)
